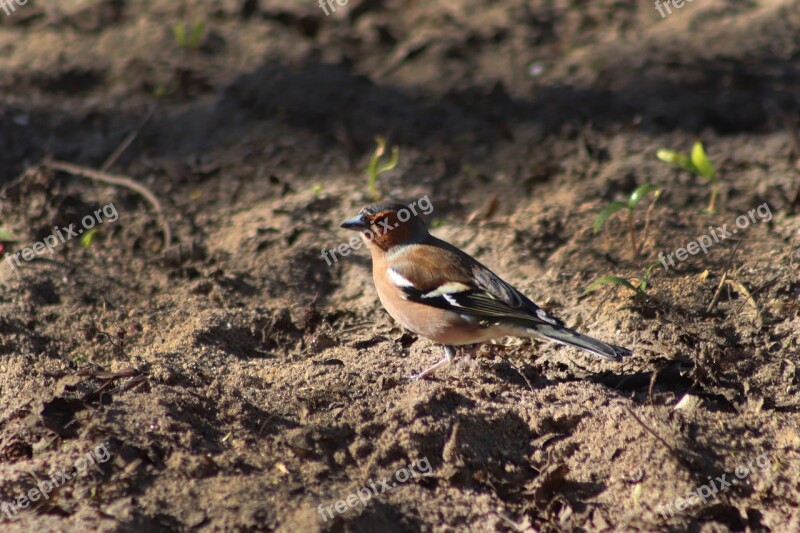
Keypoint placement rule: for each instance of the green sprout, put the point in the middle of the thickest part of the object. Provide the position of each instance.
(189, 38)
(5, 239)
(376, 167)
(89, 237)
(696, 163)
(633, 200)
(639, 289)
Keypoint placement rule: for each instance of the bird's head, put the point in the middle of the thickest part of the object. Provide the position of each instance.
(388, 225)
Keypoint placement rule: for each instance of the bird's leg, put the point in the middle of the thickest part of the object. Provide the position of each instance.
(449, 352)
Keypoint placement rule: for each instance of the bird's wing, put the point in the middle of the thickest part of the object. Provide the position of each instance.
(440, 275)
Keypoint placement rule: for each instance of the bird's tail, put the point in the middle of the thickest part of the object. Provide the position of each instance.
(570, 337)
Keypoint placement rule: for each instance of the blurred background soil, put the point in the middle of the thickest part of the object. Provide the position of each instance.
(239, 381)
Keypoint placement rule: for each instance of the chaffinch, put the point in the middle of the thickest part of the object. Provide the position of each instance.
(441, 293)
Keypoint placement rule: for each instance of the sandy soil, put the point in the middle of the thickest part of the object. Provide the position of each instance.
(234, 381)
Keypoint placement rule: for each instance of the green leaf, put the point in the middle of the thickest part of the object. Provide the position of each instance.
(88, 238)
(196, 35)
(375, 167)
(179, 30)
(701, 162)
(6, 236)
(678, 159)
(192, 39)
(392, 161)
(640, 193)
(603, 215)
(646, 277)
(610, 280)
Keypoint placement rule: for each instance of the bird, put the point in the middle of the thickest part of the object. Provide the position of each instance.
(443, 294)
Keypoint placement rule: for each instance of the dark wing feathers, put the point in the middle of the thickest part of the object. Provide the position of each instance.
(459, 283)
(495, 287)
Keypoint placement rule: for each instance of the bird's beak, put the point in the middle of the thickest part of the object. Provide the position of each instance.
(357, 223)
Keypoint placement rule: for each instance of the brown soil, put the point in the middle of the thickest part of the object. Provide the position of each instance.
(238, 382)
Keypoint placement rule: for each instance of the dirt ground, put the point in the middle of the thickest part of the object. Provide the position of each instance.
(238, 382)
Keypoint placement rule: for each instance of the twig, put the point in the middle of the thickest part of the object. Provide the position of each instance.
(597, 309)
(647, 223)
(515, 367)
(632, 231)
(741, 288)
(653, 433)
(764, 286)
(724, 279)
(104, 388)
(127, 141)
(651, 388)
(122, 181)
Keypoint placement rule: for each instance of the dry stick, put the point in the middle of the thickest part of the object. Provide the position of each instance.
(652, 386)
(724, 279)
(771, 282)
(515, 367)
(122, 181)
(647, 223)
(597, 309)
(632, 231)
(653, 433)
(736, 285)
(731, 283)
(127, 141)
(728, 286)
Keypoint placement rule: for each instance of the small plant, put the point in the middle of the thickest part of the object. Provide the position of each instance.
(5, 239)
(639, 288)
(376, 167)
(189, 38)
(633, 200)
(89, 237)
(697, 163)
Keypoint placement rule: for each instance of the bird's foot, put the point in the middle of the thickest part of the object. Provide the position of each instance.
(449, 352)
